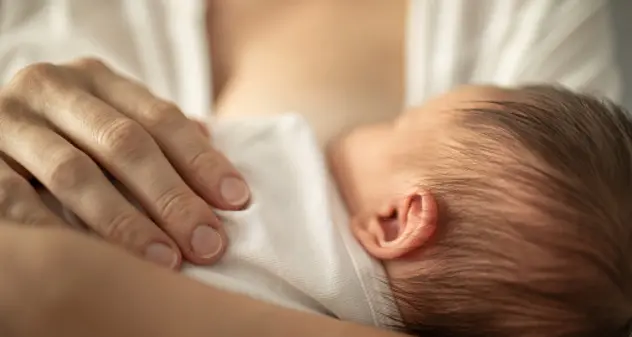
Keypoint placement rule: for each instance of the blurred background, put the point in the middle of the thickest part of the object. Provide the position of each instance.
(622, 10)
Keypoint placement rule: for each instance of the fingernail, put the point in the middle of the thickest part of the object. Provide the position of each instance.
(161, 254)
(234, 191)
(206, 242)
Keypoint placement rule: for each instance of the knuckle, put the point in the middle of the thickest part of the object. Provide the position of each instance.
(123, 228)
(177, 205)
(160, 113)
(69, 171)
(11, 109)
(18, 202)
(125, 138)
(72, 100)
(207, 161)
(9, 103)
(90, 64)
(12, 188)
(31, 219)
(34, 76)
(31, 213)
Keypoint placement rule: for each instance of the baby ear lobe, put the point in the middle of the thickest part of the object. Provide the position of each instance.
(411, 224)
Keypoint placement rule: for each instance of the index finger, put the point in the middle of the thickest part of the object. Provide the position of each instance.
(204, 169)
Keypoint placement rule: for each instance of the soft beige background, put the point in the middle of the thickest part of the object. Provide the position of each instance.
(622, 14)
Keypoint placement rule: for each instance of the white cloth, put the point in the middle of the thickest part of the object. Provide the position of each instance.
(450, 42)
(510, 42)
(293, 245)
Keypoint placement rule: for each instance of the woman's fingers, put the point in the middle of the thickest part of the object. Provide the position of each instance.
(206, 170)
(65, 124)
(20, 203)
(203, 129)
(15, 166)
(124, 148)
(130, 154)
(79, 184)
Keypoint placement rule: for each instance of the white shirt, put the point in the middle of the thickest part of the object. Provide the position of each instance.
(293, 245)
(450, 42)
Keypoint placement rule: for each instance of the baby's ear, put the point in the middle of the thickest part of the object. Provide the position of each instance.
(399, 228)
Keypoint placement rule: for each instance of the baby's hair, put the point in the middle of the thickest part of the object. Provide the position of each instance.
(535, 202)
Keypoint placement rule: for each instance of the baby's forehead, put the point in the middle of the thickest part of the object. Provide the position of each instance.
(466, 117)
(439, 113)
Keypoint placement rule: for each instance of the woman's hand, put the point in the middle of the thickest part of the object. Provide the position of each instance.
(72, 126)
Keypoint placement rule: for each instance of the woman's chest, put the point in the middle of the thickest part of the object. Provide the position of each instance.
(337, 63)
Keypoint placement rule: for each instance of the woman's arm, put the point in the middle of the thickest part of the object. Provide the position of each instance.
(105, 292)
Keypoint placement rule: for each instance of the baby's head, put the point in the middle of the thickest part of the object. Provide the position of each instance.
(498, 212)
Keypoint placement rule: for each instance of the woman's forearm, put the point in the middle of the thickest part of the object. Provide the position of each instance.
(108, 293)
